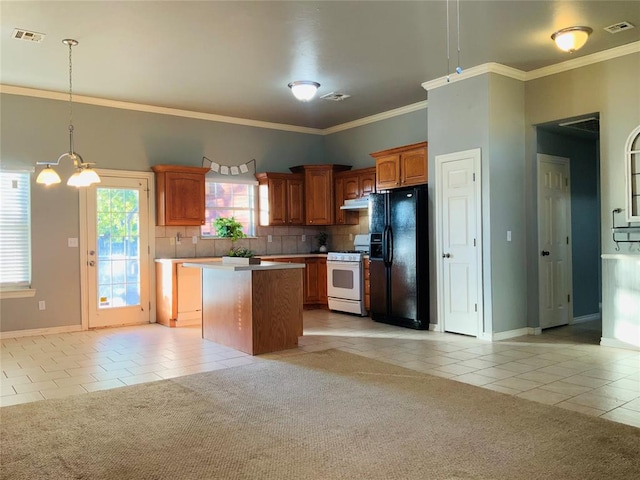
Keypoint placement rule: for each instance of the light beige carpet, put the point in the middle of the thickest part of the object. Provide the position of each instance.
(325, 415)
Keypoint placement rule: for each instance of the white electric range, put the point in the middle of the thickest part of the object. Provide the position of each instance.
(345, 277)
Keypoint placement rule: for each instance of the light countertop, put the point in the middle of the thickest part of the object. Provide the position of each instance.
(218, 265)
(263, 257)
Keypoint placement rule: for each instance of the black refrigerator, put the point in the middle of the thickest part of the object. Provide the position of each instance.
(399, 257)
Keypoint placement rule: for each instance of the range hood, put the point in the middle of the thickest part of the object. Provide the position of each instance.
(356, 204)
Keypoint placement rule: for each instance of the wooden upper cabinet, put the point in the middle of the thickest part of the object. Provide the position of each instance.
(281, 199)
(319, 192)
(179, 195)
(401, 166)
(352, 185)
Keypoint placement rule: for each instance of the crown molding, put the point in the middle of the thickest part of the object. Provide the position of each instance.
(534, 74)
(414, 107)
(574, 63)
(491, 67)
(101, 102)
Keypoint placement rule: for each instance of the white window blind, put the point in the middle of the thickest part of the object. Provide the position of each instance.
(15, 229)
(230, 199)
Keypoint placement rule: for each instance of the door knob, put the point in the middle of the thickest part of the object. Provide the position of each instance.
(446, 255)
(544, 253)
(92, 263)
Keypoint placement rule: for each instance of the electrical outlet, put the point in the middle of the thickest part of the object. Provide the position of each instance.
(351, 236)
(42, 305)
(269, 238)
(172, 241)
(304, 238)
(194, 239)
(508, 235)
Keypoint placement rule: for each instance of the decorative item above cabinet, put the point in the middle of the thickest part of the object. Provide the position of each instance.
(179, 195)
(319, 192)
(401, 166)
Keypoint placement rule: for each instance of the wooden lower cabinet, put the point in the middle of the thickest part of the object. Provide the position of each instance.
(367, 286)
(315, 279)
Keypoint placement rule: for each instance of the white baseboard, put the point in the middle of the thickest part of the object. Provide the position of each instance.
(585, 318)
(615, 343)
(40, 331)
(518, 332)
(435, 327)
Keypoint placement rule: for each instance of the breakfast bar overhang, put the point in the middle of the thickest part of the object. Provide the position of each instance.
(252, 308)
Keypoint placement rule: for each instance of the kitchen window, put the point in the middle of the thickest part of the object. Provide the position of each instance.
(235, 198)
(15, 234)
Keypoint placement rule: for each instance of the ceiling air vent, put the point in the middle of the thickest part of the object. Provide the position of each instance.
(591, 124)
(21, 34)
(619, 27)
(335, 96)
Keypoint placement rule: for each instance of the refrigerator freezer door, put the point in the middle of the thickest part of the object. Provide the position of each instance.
(404, 265)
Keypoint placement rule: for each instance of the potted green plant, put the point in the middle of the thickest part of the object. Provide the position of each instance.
(228, 227)
(322, 241)
(241, 255)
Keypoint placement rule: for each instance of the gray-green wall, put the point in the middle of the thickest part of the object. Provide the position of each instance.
(585, 215)
(35, 129)
(611, 88)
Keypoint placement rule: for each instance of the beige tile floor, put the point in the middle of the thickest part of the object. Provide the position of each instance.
(564, 366)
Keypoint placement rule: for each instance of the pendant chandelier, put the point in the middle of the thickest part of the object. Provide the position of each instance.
(84, 174)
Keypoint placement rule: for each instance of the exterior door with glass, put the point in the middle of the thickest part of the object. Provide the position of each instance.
(117, 218)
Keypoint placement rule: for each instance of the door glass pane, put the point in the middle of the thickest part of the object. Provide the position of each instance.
(118, 248)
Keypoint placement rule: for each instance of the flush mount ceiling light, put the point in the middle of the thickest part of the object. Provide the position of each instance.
(84, 175)
(572, 38)
(304, 90)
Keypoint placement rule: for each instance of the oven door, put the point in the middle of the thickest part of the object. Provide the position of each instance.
(344, 280)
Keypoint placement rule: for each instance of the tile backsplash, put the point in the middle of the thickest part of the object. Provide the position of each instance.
(284, 240)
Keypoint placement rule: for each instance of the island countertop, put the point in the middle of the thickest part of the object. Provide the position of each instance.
(233, 267)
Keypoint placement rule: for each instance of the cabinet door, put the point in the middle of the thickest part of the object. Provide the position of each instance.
(351, 187)
(367, 182)
(184, 199)
(318, 185)
(311, 281)
(387, 172)
(322, 281)
(277, 198)
(189, 294)
(413, 167)
(343, 217)
(367, 285)
(295, 201)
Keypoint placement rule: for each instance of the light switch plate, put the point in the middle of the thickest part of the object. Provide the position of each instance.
(72, 242)
(508, 235)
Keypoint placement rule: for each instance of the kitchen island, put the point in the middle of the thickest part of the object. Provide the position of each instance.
(252, 308)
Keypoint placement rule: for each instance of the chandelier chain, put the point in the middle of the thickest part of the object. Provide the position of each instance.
(70, 89)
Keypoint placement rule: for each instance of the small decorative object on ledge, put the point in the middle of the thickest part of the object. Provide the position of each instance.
(322, 241)
(241, 256)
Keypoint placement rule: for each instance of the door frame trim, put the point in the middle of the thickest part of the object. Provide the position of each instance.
(84, 271)
(558, 160)
(476, 153)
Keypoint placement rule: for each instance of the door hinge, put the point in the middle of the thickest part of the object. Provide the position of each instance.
(149, 249)
(149, 305)
(475, 307)
(566, 182)
(567, 240)
(474, 242)
(569, 298)
(474, 177)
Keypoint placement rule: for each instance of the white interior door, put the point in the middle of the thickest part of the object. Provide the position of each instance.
(554, 248)
(459, 252)
(117, 244)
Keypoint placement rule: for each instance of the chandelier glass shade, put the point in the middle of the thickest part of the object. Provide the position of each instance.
(84, 174)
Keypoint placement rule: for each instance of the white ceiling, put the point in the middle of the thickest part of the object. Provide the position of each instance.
(236, 58)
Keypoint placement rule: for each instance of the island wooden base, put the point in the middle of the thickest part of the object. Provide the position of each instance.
(255, 311)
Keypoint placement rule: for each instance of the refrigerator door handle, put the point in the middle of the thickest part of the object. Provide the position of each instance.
(384, 244)
(390, 247)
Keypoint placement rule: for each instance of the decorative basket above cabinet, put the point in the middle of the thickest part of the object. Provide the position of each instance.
(179, 195)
